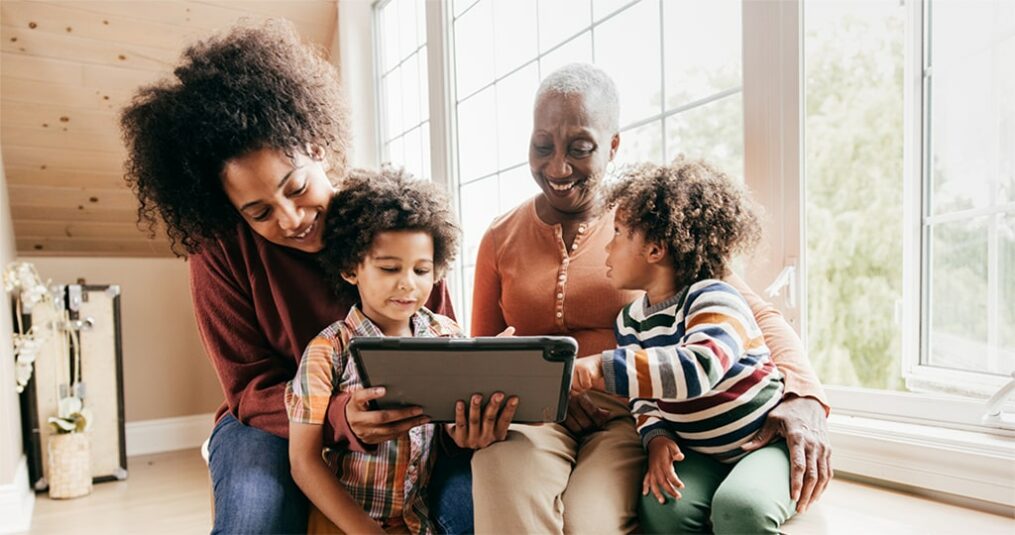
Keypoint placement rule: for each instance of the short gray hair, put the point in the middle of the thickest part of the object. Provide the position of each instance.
(593, 84)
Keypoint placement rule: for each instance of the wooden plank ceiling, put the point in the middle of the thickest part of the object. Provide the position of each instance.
(67, 68)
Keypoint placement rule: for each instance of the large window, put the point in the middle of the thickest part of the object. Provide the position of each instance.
(910, 268)
(896, 198)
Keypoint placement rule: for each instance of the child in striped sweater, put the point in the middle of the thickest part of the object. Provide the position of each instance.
(690, 355)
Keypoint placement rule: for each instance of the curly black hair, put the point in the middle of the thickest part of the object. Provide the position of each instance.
(247, 89)
(372, 202)
(691, 207)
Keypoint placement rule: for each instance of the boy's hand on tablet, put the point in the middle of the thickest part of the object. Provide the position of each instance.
(483, 426)
(661, 478)
(377, 426)
(588, 375)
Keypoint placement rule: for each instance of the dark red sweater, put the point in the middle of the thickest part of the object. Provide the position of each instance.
(257, 306)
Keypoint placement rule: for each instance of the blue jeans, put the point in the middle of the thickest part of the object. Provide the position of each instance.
(450, 493)
(254, 491)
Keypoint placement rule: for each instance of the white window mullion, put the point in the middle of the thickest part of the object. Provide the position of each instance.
(773, 144)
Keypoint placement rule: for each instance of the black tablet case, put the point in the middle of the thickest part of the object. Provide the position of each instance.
(436, 372)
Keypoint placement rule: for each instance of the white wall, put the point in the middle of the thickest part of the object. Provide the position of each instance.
(165, 371)
(10, 417)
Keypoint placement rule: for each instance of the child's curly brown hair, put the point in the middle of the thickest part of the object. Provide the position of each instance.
(371, 202)
(691, 207)
(250, 88)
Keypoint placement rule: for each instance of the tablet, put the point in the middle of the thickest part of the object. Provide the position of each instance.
(435, 373)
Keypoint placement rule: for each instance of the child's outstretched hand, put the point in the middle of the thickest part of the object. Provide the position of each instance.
(661, 477)
(588, 375)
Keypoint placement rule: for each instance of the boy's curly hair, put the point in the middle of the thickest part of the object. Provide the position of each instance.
(248, 89)
(691, 207)
(371, 202)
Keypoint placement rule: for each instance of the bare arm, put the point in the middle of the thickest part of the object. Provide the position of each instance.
(320, 485)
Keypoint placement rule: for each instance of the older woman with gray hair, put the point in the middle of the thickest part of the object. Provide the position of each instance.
(541, 269)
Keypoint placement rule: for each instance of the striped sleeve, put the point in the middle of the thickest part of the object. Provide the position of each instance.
(308, 394)
(717, 331)
(649, 423)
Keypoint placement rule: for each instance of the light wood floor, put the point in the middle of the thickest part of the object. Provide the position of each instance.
(169, 493)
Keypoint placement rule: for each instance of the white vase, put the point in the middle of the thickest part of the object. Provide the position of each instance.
(70, 472)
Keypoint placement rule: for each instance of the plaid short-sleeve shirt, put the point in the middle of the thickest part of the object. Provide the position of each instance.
(387, 481)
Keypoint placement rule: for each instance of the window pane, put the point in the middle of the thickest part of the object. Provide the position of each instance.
(477, 136)
(396, 152)
(515, 96)
(1006, 236)
(603, 8)
(516, 187)
(410, 94)
(972, 50)
(578, 50)
(963, 101)
(391, 86)
(462, 5)
(972, 142)
(514, 34)
(714, 132)
(389, 35)
(702, 49)
(413, 154)
(627, 46)
(958, 295)
(473, 49)
(560, 19)
(407, 38)
(642, 144)
(476, 214)
(853, 135)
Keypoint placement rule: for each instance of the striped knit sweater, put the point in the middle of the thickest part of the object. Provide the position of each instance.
(696, 368)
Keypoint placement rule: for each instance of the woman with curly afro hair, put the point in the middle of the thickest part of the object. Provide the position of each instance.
(237, 156)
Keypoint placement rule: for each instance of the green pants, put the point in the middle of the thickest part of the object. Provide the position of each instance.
(751, 496)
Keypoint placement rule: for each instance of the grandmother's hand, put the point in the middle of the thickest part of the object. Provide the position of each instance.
(584, 415)
(476, 431)
(802, 422)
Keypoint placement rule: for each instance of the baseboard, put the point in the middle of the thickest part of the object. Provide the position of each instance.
(966, 464)
(168, 434)
(17, 500)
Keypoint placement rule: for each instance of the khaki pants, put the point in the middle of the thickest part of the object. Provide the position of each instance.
(543, 479)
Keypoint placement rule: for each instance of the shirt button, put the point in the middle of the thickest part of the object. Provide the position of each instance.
(560, 295)
(560, 314)
(581, 228)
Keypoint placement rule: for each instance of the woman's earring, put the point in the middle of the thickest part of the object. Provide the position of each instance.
(611, 169)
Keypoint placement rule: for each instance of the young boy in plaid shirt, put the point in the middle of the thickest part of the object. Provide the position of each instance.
(388, 238)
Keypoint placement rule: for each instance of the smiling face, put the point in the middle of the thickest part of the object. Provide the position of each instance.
(569, 151)
(395, 279)
(281, 198)
(627, 263)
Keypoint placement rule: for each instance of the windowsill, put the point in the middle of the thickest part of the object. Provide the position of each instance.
(966, 463)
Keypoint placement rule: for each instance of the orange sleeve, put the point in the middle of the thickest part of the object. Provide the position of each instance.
(787, 349)
(487, 317)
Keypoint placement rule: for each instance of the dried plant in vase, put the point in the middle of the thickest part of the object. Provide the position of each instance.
(70, 474)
